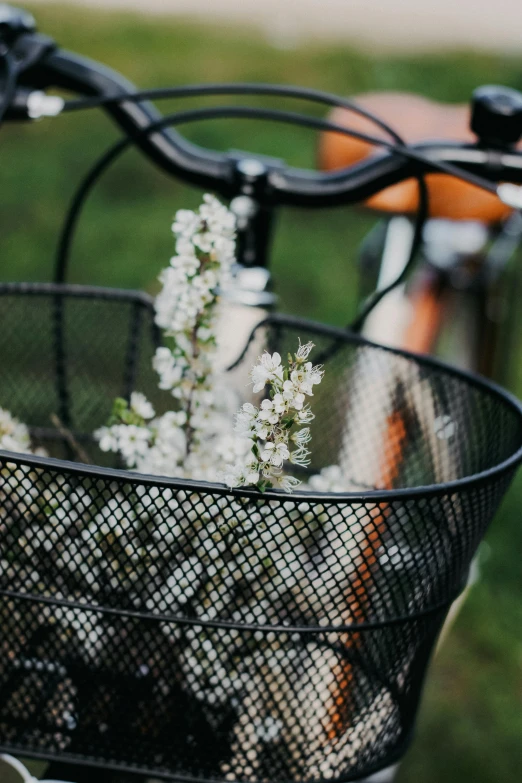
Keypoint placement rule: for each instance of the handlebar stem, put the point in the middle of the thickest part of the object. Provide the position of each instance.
(255, 226)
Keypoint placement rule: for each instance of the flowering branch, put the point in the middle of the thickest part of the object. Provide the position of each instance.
(177, 443)
(271, 428)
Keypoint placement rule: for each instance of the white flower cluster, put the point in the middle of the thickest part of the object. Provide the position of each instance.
(147, 443)
(185, 442)
(205, 251)
(269, 429)
(14, 436)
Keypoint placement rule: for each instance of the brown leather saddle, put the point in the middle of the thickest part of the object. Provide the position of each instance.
(415, 119)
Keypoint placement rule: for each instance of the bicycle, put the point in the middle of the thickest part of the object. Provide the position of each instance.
(267, 183)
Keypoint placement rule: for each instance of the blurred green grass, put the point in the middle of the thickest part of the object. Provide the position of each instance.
(470, 725)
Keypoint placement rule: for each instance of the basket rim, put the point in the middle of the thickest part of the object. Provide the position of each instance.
(165, 482)
(76, 290)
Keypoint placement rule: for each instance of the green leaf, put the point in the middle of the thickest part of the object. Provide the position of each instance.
(263, 485)
(119, 405)
(119, 409)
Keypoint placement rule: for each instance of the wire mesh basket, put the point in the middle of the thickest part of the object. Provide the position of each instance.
(221, 635)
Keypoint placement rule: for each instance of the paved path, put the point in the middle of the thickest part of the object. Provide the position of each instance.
(394, 24)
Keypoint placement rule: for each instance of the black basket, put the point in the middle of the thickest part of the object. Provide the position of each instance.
(215, 635)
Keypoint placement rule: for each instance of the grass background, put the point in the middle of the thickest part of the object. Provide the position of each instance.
(470, 726)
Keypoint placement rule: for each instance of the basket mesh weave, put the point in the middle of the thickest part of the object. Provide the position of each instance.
(301, 656)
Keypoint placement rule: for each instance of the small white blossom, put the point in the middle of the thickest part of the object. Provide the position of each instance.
(245, 418)
(288, 483)
(300, 456)
(140, 405)
(269, 412)
(275, 453)
(186, 223)
(14, 436)
(293, 396)
(300, 437)
(186, 263)
(305, 415)
(305, 377)
(269, 369)
(107, 439)
(303, 351)
(133, 442)
(239, 475)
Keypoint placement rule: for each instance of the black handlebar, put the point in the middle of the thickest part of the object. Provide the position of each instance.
(47, 66)
(288, 186)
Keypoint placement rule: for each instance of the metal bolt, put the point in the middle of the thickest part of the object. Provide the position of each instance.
(251, 168)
